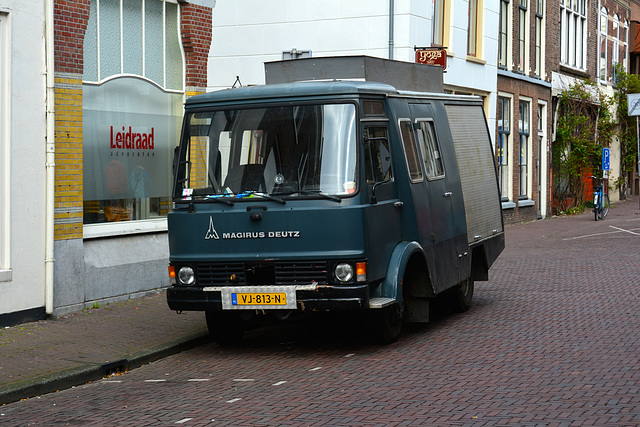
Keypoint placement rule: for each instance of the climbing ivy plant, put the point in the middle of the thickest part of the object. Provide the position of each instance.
(585, 125)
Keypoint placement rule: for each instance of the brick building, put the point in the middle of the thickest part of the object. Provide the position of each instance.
(122, 70)
(524, 109)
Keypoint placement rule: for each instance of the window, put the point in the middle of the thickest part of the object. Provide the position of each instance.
(430, 149)
(523, 132)
(413, 163)
(5, 52)
(438, 28)
(504, 131)
(615, 49)
(132, 108)
(625, 43)
(604, 27)
(539, 46)
(522, 35)
(573, 33)
(503, 34)
(472, 35)
(377, 161)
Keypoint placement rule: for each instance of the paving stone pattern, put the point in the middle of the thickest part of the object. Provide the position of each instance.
(553, 339)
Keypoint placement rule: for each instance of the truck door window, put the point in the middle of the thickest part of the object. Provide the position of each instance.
(430, 150)
(410, 151)
(377, 154)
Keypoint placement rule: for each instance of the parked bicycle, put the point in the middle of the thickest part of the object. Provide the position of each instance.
(601, 201)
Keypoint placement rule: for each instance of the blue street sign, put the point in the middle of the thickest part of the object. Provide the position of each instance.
(605, 159)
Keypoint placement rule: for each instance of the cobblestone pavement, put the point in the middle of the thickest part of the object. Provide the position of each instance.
(552, 339)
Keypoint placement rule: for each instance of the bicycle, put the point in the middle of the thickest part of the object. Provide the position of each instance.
(601, 201)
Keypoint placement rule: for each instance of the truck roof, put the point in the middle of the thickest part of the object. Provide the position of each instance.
(296, 89)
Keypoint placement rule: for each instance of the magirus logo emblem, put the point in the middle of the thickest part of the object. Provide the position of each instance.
(211, 232)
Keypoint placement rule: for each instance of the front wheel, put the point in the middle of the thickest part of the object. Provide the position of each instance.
(605, 207)
(387, 323)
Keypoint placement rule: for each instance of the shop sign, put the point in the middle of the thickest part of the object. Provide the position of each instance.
(432, 56)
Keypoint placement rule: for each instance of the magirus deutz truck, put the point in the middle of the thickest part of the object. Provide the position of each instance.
(343, 184)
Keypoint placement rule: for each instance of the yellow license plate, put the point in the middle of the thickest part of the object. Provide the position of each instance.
(271, 298)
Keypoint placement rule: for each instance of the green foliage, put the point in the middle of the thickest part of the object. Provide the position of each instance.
(585, 125)
(626, 84)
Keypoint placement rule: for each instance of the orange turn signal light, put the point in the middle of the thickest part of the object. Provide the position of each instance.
(361, 271)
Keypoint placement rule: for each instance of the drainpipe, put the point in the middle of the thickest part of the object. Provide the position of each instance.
(391, 17)
(50, 157)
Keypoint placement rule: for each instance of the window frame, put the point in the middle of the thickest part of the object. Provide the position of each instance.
(539, 54)
(472, 33)
(432, 126)
(412, 160)
(523, 36)
(574, 33)
(504, 143)
(504, 39)
(603, 44)
(5, 146)
(524, 141)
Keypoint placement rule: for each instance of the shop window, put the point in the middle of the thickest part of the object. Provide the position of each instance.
(132, 107)
(5, 152)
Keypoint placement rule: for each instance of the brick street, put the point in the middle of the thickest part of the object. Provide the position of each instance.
(552, 339)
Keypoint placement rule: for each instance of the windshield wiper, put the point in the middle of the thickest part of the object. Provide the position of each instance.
(311, 193)
(270, 197)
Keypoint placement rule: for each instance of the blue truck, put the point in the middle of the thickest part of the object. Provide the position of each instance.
(331, 195)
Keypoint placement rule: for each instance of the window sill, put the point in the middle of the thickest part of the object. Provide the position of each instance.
(508, 205)
(5, 275)
(93, 231)
(525, 202)
(476, 60)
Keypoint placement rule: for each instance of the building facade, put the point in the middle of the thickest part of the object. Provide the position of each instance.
(248, 33)
(120, 73)
(524, 109)
(23, 140)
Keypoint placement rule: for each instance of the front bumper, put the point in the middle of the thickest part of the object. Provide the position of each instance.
(308, 298)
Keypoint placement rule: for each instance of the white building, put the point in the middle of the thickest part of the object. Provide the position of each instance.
(247, 33)
(22, 160)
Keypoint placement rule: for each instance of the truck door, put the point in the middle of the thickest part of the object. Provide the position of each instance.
(444, 195)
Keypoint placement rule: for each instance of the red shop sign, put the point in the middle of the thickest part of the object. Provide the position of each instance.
(435, 56)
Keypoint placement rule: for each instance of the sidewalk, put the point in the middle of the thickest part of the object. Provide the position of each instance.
(49, 355)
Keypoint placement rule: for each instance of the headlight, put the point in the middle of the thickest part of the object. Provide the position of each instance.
(344, 272)
(186, 276)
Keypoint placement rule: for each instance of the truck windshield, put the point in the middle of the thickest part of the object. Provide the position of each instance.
(291, 151)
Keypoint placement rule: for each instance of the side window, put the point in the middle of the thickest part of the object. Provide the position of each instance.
(410, 151)
(377, 154)
(430, 150)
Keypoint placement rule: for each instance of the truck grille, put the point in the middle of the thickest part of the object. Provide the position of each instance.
(262, 273)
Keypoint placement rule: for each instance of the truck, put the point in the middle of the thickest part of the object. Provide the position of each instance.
(316, 193)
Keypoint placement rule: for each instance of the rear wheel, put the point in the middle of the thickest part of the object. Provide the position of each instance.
(225, 327)
(462, 295)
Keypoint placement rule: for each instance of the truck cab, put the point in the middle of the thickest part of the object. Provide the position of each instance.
(331, 196)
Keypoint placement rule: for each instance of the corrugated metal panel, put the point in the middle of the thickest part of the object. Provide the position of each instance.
(477, 170)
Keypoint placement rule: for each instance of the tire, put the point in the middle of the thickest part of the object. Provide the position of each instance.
(387, 323)
(462, 296)
(605, 207)
(225, 328)
(595, 212)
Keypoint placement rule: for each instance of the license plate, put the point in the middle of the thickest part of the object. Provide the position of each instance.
(258, 297)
